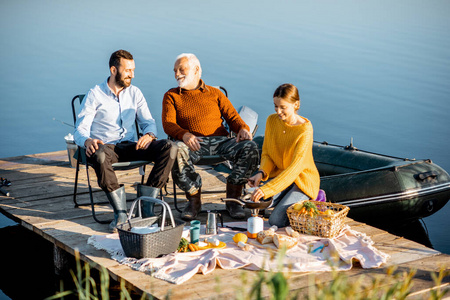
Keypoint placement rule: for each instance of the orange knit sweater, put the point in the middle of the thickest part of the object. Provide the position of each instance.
(287, 158)
(199, 112)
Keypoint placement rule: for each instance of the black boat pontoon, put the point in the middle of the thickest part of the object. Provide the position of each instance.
(379, 187)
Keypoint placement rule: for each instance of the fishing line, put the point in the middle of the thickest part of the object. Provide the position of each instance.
(62, 122)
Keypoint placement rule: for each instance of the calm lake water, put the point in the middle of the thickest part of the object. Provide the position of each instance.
(375, 71)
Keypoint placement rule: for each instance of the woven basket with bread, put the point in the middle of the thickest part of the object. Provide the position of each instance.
(325, 220)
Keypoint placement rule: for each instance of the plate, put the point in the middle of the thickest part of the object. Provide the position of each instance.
(210, 246)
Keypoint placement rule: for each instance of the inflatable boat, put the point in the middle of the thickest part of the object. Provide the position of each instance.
(377, 187)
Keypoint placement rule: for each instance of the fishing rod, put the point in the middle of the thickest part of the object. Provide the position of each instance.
(62, 122)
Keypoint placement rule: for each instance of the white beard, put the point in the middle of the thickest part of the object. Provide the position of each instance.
(186, 80)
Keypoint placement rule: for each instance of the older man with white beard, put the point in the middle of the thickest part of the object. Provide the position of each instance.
(192, 114)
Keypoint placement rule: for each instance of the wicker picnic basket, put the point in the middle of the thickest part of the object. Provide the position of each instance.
(153, 244)
(322, 225)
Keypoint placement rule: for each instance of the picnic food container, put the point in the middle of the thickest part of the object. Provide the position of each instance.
(153, 244)
(321, 224)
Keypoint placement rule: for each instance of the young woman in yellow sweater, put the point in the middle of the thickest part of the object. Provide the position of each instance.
(286, 161)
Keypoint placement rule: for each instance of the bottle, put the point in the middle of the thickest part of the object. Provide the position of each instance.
(255, 224)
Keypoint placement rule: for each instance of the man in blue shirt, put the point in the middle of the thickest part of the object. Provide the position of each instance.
(105, 128)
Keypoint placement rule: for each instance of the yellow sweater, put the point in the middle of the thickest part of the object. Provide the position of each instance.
(287, 158)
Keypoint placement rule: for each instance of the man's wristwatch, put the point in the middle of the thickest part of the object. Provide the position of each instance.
(152, 135)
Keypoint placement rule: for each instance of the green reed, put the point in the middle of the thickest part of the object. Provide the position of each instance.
(275, 285)
(86, 287)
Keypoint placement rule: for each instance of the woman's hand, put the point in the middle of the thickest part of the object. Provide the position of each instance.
(257, 194)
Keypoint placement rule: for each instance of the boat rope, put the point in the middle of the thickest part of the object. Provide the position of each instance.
(364, 151)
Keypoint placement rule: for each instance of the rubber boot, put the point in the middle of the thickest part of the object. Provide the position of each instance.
(118, 201)
(235, 210)
(148, 207)
(193, 207)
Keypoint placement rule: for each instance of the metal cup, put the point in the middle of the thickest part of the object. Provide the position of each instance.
(211, 223)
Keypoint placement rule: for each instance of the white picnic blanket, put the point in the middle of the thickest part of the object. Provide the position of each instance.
(180, 267)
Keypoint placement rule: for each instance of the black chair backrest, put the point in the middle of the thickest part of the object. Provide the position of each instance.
(223, 90)
(74, 114)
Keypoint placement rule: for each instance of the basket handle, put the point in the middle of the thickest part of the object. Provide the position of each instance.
(164, 204)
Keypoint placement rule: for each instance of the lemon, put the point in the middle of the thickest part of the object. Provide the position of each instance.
(329, 212)
(298, 206)
(240, 237)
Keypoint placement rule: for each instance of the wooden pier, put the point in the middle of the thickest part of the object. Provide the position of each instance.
(41, 200)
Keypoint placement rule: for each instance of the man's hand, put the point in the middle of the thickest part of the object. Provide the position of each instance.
(192, 141)
(144, 142)
(243, 134)
(92, 146)
(255, 180)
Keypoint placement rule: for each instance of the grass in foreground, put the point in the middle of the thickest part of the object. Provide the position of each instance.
(275, 285)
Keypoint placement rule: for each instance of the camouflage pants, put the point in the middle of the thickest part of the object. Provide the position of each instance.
(243, 156)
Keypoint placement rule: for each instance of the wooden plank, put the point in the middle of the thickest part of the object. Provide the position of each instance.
(26, 162)
(45, 186)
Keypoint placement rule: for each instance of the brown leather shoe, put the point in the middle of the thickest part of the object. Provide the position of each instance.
(193, 207)
(235, 210)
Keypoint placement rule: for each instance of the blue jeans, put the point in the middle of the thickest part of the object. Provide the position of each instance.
(282, 201)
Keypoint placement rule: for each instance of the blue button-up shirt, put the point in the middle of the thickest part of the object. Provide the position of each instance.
(110, 118)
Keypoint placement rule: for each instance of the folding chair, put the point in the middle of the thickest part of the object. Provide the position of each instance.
(251, 118)
(81, 159)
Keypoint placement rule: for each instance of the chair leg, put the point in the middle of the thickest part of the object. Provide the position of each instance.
(166, 192)
(143, 173)
(76, 183)
(175, 202)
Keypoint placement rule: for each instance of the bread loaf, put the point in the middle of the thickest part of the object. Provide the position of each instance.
(284, 240)
(265, 236)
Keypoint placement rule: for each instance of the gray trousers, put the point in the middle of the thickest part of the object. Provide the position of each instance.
(243, 156)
